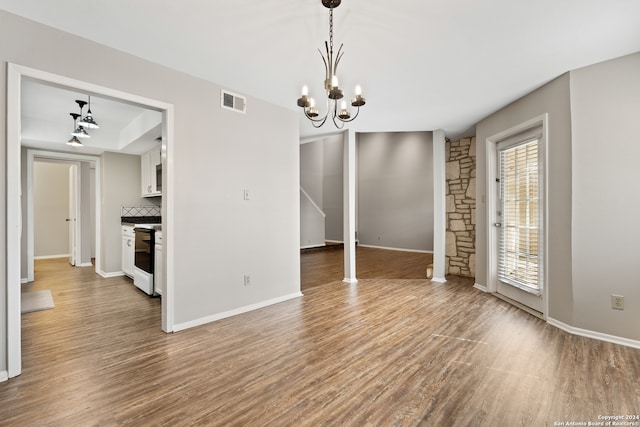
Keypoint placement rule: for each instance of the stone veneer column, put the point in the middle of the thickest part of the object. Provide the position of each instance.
(461, 211)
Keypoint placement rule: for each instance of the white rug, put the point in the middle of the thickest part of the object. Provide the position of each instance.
(36, 301)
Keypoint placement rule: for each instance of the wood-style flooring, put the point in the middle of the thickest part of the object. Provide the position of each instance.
(393, 350)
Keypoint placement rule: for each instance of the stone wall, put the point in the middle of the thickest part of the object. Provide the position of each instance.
(461, 207)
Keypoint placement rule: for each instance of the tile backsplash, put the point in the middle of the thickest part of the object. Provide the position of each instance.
(139, 211)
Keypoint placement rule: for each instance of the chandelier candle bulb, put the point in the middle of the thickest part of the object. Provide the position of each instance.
(304, 100)
(305, 91)
(358, 91)
(344, 114)
(312, 111)
(358, 101)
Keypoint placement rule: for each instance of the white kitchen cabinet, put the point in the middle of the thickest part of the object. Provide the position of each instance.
(128, 249)
(158, 268)
(151, 173)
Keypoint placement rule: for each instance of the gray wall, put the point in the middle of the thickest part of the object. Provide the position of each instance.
(553, 98)
(50, 209)
(605, 122)
(3, 198)
(333, 187)
(256, 151)
(120, 187)
(311, 170)
(395, 190)
(311, 224)
(592, 187)
(321, 169)
(312, 229)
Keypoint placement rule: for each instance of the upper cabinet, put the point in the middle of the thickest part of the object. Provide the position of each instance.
(151, 173)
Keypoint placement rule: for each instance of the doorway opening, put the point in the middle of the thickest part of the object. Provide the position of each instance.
(15, 76)
(55, 209)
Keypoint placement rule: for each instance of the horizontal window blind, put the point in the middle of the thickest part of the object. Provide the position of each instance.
(519, 236)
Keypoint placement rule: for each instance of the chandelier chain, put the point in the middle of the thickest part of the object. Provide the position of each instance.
(331, 31)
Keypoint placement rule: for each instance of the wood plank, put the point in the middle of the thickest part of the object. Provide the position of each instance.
(395, 349)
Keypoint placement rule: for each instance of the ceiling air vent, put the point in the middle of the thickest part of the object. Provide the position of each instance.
(234, 102)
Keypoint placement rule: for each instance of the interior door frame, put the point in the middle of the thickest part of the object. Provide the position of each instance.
(15, 73)
(74, 214)
(492, 198)
(33, 156)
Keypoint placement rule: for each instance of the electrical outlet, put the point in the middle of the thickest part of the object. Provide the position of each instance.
(246, 194)
(617, 302)
(247, 280)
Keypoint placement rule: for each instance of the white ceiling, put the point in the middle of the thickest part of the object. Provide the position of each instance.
(422, 64)
(47, 124)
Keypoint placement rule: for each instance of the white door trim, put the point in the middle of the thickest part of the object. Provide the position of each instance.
(67, 158)
(491, 202)
(15, 73)
(75, 202)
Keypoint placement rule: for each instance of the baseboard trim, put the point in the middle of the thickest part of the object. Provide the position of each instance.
(518, 304)
(112, 274)
(85, 264)
(593, 334)
(313, 246)
(439, 279)
(24, 280)
(208, 319)
(481, 287)
(51, 256)
(350, 281)
(4, 376)
(395, 249)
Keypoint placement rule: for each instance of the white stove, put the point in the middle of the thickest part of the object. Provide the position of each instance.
(144, 256)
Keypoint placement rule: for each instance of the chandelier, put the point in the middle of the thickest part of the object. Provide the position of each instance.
(334, 93)
(80, 126)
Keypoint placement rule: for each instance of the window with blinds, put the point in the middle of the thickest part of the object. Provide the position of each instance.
(519, 262)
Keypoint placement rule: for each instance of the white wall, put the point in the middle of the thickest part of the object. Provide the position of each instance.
(217, 236)
(395, 190)
(51, 209)
(605, 113)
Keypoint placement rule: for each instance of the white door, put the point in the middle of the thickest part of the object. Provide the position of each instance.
(519, 219)
(73, 207)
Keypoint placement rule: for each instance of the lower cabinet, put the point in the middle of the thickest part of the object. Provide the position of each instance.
(158, 268)
(128, 250)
